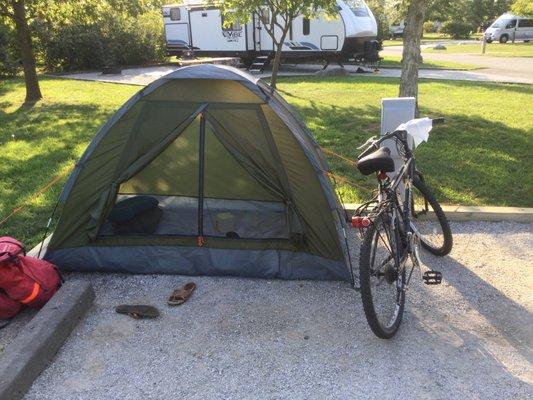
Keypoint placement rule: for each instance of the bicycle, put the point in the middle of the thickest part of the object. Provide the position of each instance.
(403, 216)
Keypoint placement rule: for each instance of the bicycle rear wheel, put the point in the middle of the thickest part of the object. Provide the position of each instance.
(381, 279)
(430, 221)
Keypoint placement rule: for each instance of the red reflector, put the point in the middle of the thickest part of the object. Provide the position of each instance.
(357, 221)
(360, 222)
(382, 175)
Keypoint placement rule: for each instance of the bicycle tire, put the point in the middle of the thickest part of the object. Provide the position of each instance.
(365, 266)
(447, 244)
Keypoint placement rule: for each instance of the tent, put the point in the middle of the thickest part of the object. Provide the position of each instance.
(206, 171)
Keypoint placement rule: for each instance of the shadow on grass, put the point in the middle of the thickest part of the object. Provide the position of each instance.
(469, 160)
(39, 144)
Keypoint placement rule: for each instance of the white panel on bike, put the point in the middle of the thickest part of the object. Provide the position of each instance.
(418, 129)
(396, 111)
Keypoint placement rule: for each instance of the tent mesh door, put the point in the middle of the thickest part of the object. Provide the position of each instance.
(196, 179)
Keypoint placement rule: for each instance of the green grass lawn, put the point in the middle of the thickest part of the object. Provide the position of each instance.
(45, 141)
(394, 62)
(481, 156)
(492, 49)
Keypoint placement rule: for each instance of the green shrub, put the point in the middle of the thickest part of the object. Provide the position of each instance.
(9, 62)
(430, 27)
(111, 40)
(456, 29)
(69, 47)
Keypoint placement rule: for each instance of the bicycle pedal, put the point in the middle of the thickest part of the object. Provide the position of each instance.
(432, 277)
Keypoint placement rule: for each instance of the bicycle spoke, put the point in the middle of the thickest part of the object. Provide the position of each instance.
(385, 289)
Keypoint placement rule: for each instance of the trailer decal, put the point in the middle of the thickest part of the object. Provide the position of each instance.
(232, 36)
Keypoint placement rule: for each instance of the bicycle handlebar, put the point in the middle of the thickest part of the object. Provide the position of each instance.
(375, 144)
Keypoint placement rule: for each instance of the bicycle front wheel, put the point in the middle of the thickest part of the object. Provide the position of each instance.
(381, 279)
(430, 221)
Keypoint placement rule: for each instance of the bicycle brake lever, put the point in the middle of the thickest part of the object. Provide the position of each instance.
(369, 141)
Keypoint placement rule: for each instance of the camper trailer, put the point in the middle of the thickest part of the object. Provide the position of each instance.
(197, 28)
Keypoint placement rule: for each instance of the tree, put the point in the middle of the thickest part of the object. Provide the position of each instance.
(16, 11)
(523, 8)
(472, 14)
(414, 23)
(277, 17)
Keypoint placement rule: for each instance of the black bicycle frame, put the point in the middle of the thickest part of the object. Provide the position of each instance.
(408, 169)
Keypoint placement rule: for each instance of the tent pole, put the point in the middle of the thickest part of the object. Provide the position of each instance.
(201, 182)
(47, 228)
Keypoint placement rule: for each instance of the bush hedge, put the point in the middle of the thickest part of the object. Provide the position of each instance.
(111, 40)
(9, 62)
(457, 29)
(430, 27)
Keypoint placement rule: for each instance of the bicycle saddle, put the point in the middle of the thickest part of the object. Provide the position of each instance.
(380, 160)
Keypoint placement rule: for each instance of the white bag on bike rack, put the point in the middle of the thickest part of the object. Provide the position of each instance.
(418, 129)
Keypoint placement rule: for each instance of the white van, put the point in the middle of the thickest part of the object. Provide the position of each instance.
(510, 27)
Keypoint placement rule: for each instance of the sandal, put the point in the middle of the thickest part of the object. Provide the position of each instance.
(181, 295)
(138, 311)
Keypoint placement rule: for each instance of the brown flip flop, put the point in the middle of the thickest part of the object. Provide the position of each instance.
(137, 311)
(181, 295)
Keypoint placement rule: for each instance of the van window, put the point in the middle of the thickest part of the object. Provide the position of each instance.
(511, 24)
(236, 26)
(175, 14)
(525, 23)
(306, 26)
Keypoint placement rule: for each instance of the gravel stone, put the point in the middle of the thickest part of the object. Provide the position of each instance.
(469, 338)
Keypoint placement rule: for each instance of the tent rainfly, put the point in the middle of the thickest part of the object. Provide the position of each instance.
(206, 171)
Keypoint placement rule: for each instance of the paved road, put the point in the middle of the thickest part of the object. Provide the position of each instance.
(504, 69)
(144, 76)
(469, 338)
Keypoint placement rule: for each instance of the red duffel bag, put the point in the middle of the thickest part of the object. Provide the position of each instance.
(28, 280)
(8, 307)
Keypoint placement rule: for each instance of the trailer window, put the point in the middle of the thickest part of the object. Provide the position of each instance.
(306, 26)
(236, 26)
(175, 14)
(265, 15)
(358, 7)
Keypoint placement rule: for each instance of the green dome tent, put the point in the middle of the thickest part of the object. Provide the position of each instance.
(206, 171)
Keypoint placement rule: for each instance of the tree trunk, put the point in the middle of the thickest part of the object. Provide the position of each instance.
(33, 91)
(411, 49)
(277, 59)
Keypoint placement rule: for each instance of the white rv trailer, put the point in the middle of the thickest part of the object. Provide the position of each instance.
(196, 27)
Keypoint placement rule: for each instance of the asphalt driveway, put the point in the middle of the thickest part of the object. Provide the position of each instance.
(502, 69)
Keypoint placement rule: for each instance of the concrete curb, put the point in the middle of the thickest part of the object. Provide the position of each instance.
(31, 351)
(474, 213)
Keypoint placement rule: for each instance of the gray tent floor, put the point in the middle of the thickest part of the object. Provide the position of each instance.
(249, 219)
(244, 338)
